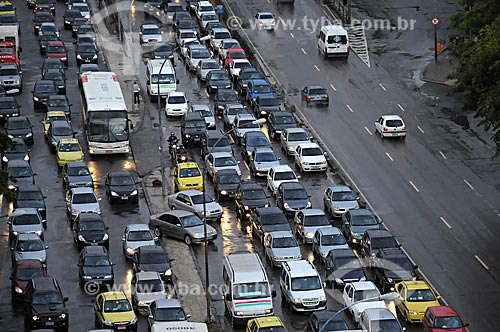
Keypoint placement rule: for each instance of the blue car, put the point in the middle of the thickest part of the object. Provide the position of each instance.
(258, 87)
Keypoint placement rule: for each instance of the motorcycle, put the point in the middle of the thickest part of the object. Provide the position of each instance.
(180, 154)
(172, 146)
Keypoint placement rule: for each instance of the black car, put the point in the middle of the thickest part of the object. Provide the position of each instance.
(19, 172)
(217, 79)
(8, 108)
(356, 222)
(77, 23)
(185, 25)
(163, 51)
(86, 53)
(393, 266)
(94, 266)
(223, 97)
(17, 150)
(210, 138)
(30, 196)
(52, 63)
(58, 130)
(373, 240)
(60, 103)
(292, 197)
(278, 121)
(252, 140)
(315, 94)
(264, 105)
(84, 68)
(89, 230)
(45, 306)
(246, 74)
(211, 25)
(69, 17)
(265, 220)
(319, 318)
(44, 40)
(42, 90)
(20, 127)
(226, 182)
(56, 75)
(193, 128)
(121, 187)
(76, 174)
(40, 18)
(249, 196)
(152, 258)
(50, 3)
(85, 29)
(342, 266)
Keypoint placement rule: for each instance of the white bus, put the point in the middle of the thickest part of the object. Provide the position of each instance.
(168, 82)
(105, 114)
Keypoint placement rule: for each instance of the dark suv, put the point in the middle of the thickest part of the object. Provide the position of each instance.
(95, 266)
(266, 220)
(45, 305)
(250, 195)
(193, 127)
(372, 241)
(8, 107)
(391, 267)
(152, 258)
(89, 229)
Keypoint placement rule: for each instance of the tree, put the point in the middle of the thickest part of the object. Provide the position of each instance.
(479, 54)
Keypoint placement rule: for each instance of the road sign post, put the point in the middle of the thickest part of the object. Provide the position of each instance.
(435, 22)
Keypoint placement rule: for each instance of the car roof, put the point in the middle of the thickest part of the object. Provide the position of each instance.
(150, 26)
(176, 94)
(280, 234)
(337, 253)
(310, 212)
(282, 168)
(241, 61)
(300, 268)
(266, 13)
(45, 283)
(329, 230)
(416, 284)
(292, 185)
(281, 113)
(45, 82)
(56, 43)
(119, 173)
(192, 116)
(7, 98)
(191, 192)
(28, 187)
(60, 123)
(137, 227)
(55, 113)
(76, 164)
(245, 116)
(363, 285)
(86, 216)
(254, 133)
(361, 212)
(147, 275)
(235, 49)
(442, 310)
(337, 189)
(378, 233)
(228, 171)
(69, 141)
(324, 315)
(263, 149)
(308, 145)
(296, 130)
(82, 190)
(334, 28)
(220, 30)
(18, 118)
(151, 248)
(189, 164)
(268, 210)
(18, 163)
(114, 295)
(315, 87)
(94, 251)
(180, 213)
(248, 185)
(28, 237)
(392, 117)
(379, 314)
(259, 81)
(168, 303)
(221, 154)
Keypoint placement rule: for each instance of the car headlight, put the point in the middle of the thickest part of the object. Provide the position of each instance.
(322, 298)
(211, 124)
(169, 109)
(108, 323)
(411, 312)
(18, 290)
(130, 251)
(35, 317)
(63, 315)
(238, 171)
(5, 159)
(79, 57)
(134, 193)
(339, 281)
(108, 277)
(181, 184)
(105, 237)
(197, 235)
(141, 303)
(223, 192)
(268, 311)
(187, 135)
(246, 207)
(94, 57)
(98, 211)
(39, 233)
(36, 98)
(17, 82)
(89, 183)
(362, 278)
(67, 22)
(26, 158)
(168, 273)
(11, 187)
(184, 109)
(239, 313)
(87, 277)
(241, 134)
(29, 134)
(286, 206)
(309, 204)
(81, 238)
(308, 234)
(267, 205)
(297, 300)
(354, 234)
(114, 194)
(390, 280)
(74, 212)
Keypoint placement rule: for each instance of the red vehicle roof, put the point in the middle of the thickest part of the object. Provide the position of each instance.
(55, 43)
(443, 311)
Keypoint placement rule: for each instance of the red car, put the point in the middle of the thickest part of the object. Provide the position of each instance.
(234, 53)
(43, 8)
(22, 272)
(57, 50)
(443, 319)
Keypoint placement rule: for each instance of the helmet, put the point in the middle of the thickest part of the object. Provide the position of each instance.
(172, 134)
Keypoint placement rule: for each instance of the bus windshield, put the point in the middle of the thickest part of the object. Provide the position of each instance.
(108, 126)
(164, 78)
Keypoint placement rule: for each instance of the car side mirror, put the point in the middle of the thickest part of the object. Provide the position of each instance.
(178, 225)
(150, 316)
(404, 328)
(123, 238)
(188, 316)
(79, 265)
(439, 297)
(66, 299)
(380, 221)
(466, 325)
(328, 199)
(46, 247)
(176, 81)
(44, 197)
(35, 174)
(273, 293)
(99, 199)
(107, 228)
(9, 222)
(299, 176)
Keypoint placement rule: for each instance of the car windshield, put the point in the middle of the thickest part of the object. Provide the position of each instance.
(62, 131)
(237, 110)
(393, 123)
(253, 194)
(296, 137)
(29, 196)
(230, 44)
(69, 147)
(218, 76)
(25, 274)
(48, 37)
(285, 242)
(317, 220)
(19, 172)
(47, 298)
(96, 261)
(8, 72)
(30, 245)
(365, 294)
(19, 124)
(251, 290)
(237, 55)
(210, 65)
(384, 242)
(229, 179)
(306, 283)
(281, 176)
(54, 76)
(246, 124)
(153, 258)
(117, 306)
(56, 49)
(153, 31)
(189, 172)
(309, 152)
(400, 264)
(176, 100)
(245, 75)
(122, 181)
(149, 286)
(86, 48)
(255, 141)
(72, 14)
(198, 199)
(191, 221)
(140, 236)
(268, 102)
(43, 18)
(163, 48)
(169, 315)
(206, 113)
(84, 198)
(28, 219)
(164, 79)
(185, 24)
(260, 89)
(243, 64)
(332, 239)
(9, 104)
(291, 194)
(19, 147)
(225, 162)
(196, 124)
(347, 263)
(5, 7)
(57, 102)
(263, 157)
(317, 92)
(92, 226)
(78, 171)
(266, 16)
(223, 142)
(222, 35)
(420, 295)
(227, 96)
(450, 322)
(363, 220)
(343, 196)
(46, 88)
(200, 54)
(51, 119)
(337, 39)
(273, 219)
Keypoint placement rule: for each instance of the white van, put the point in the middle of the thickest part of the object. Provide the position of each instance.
(333, 41)
(247, 292)
(168, 81)
(179, 327)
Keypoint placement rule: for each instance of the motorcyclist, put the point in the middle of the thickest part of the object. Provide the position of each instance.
(180, 154)
(172, 139)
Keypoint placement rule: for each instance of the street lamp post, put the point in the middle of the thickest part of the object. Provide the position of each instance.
(384, 297)
(207, 284)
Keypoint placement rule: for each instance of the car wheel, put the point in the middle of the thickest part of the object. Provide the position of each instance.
(188, 240)
(157, 231)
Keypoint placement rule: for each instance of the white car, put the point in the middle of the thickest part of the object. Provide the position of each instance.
(281, 246)
(217, 161)
(206, 18)
(265, 21)
(204, 7)
(135, 236)
(390, 126)
(326, 239)
(278, 175)
(29, 246)
(309, 157)
(150, 34)
(206, 112)
(81, 199)
(196, 53)
(236, 65)
(242, 124)
(83, 8)
(145, 288)
(262, 160)
(192, 201)
(206, 65)
(216, 36)
(356, 291)
(176, 104)
(226, 44)
(184, 35)
(291, 138)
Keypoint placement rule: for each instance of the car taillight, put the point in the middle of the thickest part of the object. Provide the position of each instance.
(259, 22)
(404, 129)
(326, 96)
(385, 129)
(308, 97)
(273, 22)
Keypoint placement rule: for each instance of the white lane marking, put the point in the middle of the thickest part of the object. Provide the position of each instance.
(467, 183)
(445, 222)
(421, 130)
(414, 186)
(481, 262)
(350, 109)
(401, 107)
(291, 34)
(383, 87)
(282, 22)
(333, 88)
(303, 51)
(316, 67)
(389, 156)
(368, 130)
(442, 155)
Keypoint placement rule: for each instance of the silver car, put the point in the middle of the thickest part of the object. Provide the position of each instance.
(205, 66)
(204, 109)
(81, 199)
(29, 246)
(308, 221)
(230, 112)
(135, 236)
(166, 311)
(217, 161)
(145, 288)
(182, 225)
(326, 239)
(337, 200)
(291, 138)
(265, 21)
(196, 53)
(192, 201)
(24, 221)
(226, 44)
(150, 33)
(10, 77)
(281, 246)
(262, 160)
(77, 174)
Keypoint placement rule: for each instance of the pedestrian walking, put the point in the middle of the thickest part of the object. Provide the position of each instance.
(219, 12)
(137, 89)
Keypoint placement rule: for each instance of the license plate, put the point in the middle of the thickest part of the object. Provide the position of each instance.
(122, 327)
(49, 323)
(395, 134)
(94, 244)
(124, 197)
(109, 151)
(87, 60)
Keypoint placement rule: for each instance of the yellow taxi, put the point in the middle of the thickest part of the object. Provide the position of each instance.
(6, 7)
(267, 324)
(414, 298)
(68, 149)
(50, 117)
(188, 176)
(113, 311)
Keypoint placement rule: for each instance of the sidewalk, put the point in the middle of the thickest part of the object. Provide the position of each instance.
(440, 71)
